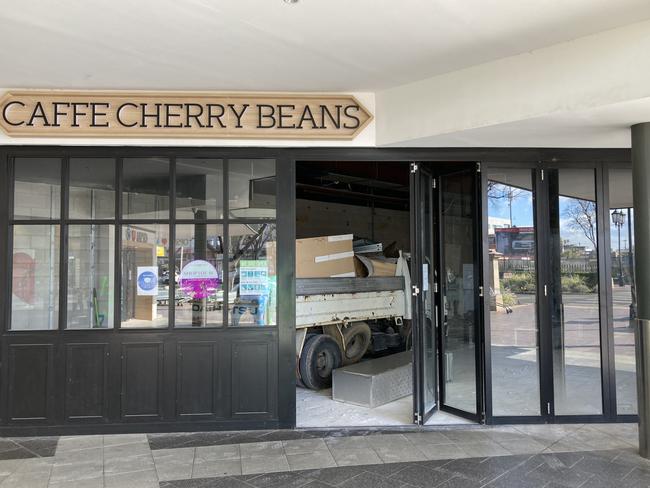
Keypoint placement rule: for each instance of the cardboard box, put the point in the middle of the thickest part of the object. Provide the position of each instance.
(325, 257)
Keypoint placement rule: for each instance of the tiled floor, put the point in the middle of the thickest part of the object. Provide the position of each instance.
(550, 456)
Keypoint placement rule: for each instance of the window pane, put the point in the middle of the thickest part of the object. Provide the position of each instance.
(35, 277)
(91, 256)
(145, 188)
(251, 188)
(623, 289)
(575, 319)
(199, 189)
(199, 288)
(145, 275)
(92, 188)
(37, 188)
(252, 296)
(512, 283)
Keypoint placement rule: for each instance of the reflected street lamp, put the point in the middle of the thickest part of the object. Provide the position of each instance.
(618, 219)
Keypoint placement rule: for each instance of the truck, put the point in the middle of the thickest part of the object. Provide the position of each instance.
(339, 320)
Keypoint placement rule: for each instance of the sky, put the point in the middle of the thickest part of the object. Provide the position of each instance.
(522, 216)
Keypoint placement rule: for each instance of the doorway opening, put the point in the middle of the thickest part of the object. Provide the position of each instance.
(362, 351)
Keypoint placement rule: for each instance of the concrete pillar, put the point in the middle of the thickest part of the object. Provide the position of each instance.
(641, 182)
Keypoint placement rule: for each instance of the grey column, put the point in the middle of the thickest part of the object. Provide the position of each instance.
(641, 182)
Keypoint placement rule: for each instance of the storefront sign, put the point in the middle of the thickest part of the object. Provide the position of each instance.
(173, 114)
(147, 280)
(199, 279)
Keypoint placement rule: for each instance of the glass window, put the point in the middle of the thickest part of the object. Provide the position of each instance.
(35, 277)
(251, 188)
(252, 257)
(199, 189)
(91, 257)
(145, 192)
(623, 287)
(512, 286)
(199, 275)
(144, 297)
(92, 188)
(37, 188)
(575, 319)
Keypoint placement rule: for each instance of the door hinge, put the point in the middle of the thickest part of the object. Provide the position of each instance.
(542, 175)
(416, 290)
(417, 418)
(480, 291)
(545, 291)
(434, 183)
(548, 408)
(435, 287)
(478, 167)
(414, 168)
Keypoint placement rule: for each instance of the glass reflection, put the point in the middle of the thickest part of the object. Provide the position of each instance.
(575, 318)
(512, 283)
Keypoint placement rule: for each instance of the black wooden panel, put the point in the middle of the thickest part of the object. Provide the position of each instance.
(252, 368)
(31, 377)
(196, 378)
(86, 382)
(142, 380)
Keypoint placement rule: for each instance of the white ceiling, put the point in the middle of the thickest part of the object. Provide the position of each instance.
(316, 45)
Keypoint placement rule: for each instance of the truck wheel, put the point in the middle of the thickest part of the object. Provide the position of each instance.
(320, 356)
(357, 340)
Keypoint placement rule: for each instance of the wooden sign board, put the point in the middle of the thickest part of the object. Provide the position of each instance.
(31, 113)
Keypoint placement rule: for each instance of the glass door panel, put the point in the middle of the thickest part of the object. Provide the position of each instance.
(574, 295)
(424, 324)
(511, 292)
(623, 289)
(459, 286)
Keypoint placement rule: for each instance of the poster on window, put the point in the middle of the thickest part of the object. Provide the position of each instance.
(199, 280)
(147, 280)
(253, 277)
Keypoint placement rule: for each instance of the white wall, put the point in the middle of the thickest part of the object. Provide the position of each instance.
(589, 73)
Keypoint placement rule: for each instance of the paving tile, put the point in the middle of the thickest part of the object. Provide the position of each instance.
(17, 452)
(80, 442)
(134, 479)
(174, 464)
(304, 446)
(226, 482)
(95, 454)
(388, 469)
(261, 449)
(526, 445)
(560, 474)
(460, 482)
(264, 464)
(368, 480)
(9, 466)
(428, 438)
(215, 453)
(421, 477)
(26, 479)
(126, 450)
(121, 439)
(442, 451)
(484, 449)
(87, 483)
(355, 457)
(40, 446)
(279, 480)
(204, 468)
(396, 441)
(76, 471)
(465, 436)
(400, 454)
(336, 476)
(138, 462)
(311, 460)
(357, 442)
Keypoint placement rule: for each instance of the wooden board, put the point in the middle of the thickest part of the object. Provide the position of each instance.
(53, 113)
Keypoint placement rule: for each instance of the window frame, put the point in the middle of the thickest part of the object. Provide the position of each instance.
(119, 222)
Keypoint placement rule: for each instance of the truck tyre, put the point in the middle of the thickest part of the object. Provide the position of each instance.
(320, 356)
(357, 340)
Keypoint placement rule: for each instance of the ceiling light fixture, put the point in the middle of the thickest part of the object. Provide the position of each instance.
(290, 1)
